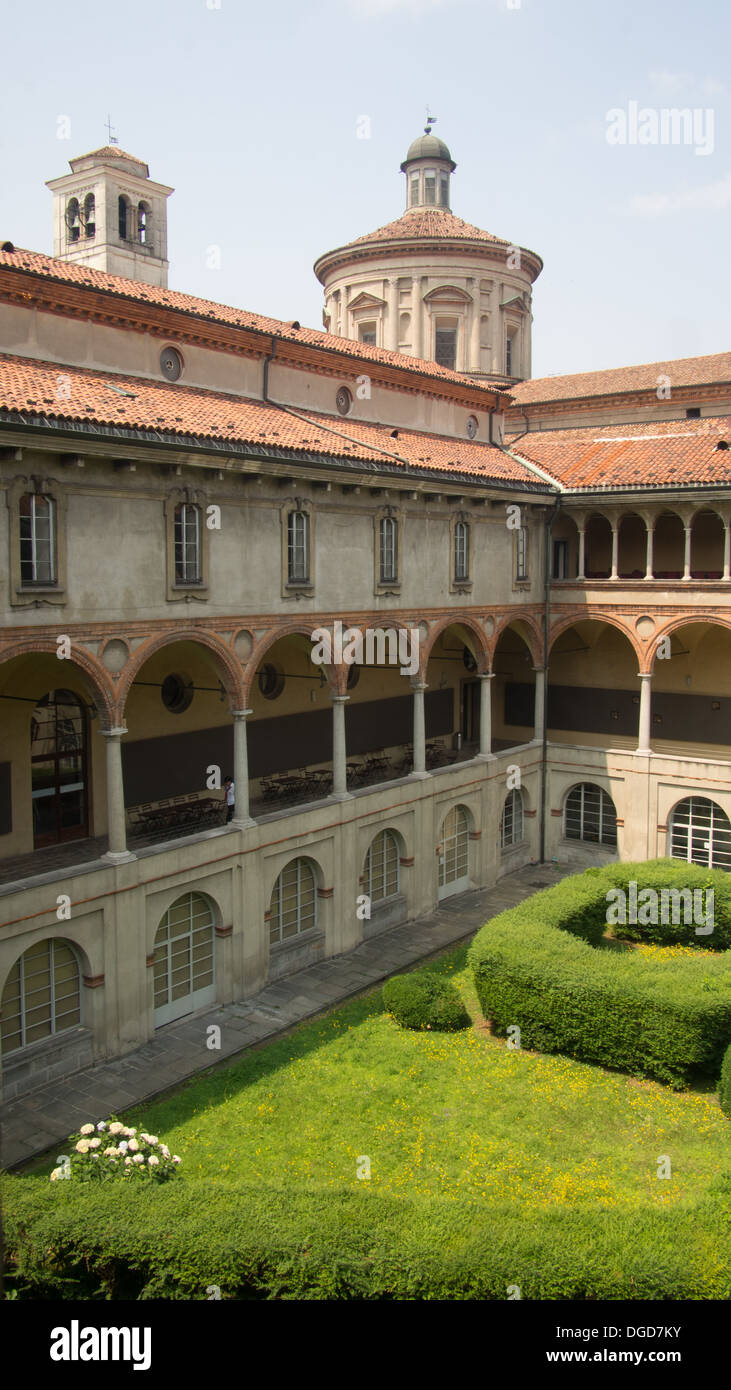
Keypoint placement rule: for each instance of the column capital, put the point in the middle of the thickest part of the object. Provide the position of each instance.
(486, 675)
(339, 699)
(240, 713)
(418, 686)
(116, 732)
(645, 675)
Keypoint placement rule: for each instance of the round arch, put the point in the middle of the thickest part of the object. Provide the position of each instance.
(532, 636)
(265, 644)
(697, 619)
(95, 673)
(471, 626)
(228, 668)
(609, 619)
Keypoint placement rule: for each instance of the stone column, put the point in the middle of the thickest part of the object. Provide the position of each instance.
(241, 769)
(116, 823)
(486, 716)
(340, 771)
(540, 708)
(582, 554)
(419, 688)
(648, 552)
(615, 549)
(393, 315)
(417, 317)
(727, 549)
(474, 357)
(686, 562)
(643, 745)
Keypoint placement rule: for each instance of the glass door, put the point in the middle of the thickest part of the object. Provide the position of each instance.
(59, 769)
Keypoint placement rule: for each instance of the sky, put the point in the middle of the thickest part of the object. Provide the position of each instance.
(282, 126)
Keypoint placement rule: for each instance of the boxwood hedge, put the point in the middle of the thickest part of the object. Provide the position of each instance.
(423, 999)
(537, 966)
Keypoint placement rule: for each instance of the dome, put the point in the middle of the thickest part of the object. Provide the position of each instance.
(428, 147)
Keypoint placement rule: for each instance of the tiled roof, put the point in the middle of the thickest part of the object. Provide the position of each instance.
(684, 371)
(420, 225)
(668, 453)
(31, 391)
(50, 268)
(110, 152)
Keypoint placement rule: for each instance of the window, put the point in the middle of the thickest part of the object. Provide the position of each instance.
(297, 547)
(560, 559)
(42, 995)
(293, 908)
(445, 347)
(430, 186)
(700, 833)
(444, 190)
(59, 778)
(508, 356)
(124, 217)
(171, 363)
(461, 550)
(368, 333)
(143, 224)
(388, 567)
(89, 215)
(590, 815)
(381, 869)
(343, 400)
(521, 553)
(73, 219)
(184, 969)
(187, 544)
(454, 857)
(414, 194)
(37, 539)
(511, 822)
(693, 412)
(176, 693)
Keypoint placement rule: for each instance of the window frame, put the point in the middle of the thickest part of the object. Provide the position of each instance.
(290, 584)
(604, 796)
(275, 915)
(461, 584)
(387, 838)
(184, 511)
(54, 1031)
(48, 580)
(186, 590)
(705, 827)
(24, 595)
(382, 585)
(521, 555)
(513, 812)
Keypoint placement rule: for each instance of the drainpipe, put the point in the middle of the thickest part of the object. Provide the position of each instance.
(265, 378)
(546, 624)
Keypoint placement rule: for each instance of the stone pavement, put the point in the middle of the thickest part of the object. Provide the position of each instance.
(43, 1119)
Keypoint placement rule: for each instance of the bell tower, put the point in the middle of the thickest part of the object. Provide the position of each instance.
(108, 214)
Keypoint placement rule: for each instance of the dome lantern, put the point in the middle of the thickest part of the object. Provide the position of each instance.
(428, 167)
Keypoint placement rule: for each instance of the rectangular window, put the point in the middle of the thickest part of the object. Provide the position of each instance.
(560, 559)
(367, 333)
(297, 548)
(414, 198)
(187, 544)
(461, 539)
(509, 357)
(430, 186)
(444, 190)
(37, 540)
(389, 556)
(445, 347)
(521, 553)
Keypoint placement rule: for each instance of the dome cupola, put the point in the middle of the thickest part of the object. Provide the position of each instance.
(428, 167)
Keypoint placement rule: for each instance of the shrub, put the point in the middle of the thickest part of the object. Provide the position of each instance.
(724, 1085)
(659, 1018)
(423, 999)
(658, 874)
(110, 1150)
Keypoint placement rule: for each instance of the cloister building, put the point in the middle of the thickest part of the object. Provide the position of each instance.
(524, 587)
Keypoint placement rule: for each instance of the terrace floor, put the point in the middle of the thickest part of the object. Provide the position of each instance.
(46, 1116)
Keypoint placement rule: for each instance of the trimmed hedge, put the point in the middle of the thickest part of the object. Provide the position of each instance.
(422, 999)
(664, 1019)
(724, 1085)
(270, 1243)
(662, 874)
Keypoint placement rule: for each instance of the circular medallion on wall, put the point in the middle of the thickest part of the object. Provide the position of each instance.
(171, 363)
(177, 693)
(473, 425)
(489, 626)
(343, 400)
(271, 681)
(645, 626)
(243, 644)
(115, 655)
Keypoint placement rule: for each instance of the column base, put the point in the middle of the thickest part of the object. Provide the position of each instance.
(485, 758)
(417, 776)
(119, 856)
(242, 824)
(644, 752)
(340, 796)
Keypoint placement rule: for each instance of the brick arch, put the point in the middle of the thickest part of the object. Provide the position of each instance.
(270, 639)
(675, 624)
(610, 619)
(457, 620)
(535, 646)
(81, 658)
(228, 668)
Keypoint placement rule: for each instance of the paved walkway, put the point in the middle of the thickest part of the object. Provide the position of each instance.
(44, 1118)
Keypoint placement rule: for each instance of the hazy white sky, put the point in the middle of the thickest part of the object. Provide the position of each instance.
(252, 112)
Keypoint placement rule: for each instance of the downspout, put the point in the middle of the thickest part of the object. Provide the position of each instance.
(546, 626)
(265, 377)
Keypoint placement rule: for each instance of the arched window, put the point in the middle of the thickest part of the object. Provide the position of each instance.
(388, 536)
(511, 822)
(37, 539)
(90, 215)
(298, 547)
(187, 544)
(42, 995)
(73, 219)
(143, 223)
(461, 550)
(124, 209)
(381, 869)
(700, 833)
(454, 857)
(293, 908)
(590, 815)
(184, 953)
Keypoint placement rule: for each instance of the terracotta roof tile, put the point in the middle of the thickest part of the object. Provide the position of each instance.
(50, 268)
(684, 371)
(420, 225)
(668, 453)
(30, 389)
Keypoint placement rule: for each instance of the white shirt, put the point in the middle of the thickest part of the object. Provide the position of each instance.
(230, 801)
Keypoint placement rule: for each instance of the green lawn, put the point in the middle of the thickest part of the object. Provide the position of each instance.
(488, 1167)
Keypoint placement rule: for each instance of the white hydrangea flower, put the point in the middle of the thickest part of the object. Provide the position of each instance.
(138, 1158)
(116, 1128)
(133, 1145)
(130, 1133)
(153, 1159)
(101, 1125)
(83, 1146)
(111, 1152)
(152, 1139)
(94, 1143)
(55, 1174)
(164, 1150)
(175, 1158)
(128, 1160)
(123, 1146)
(86, 1129)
